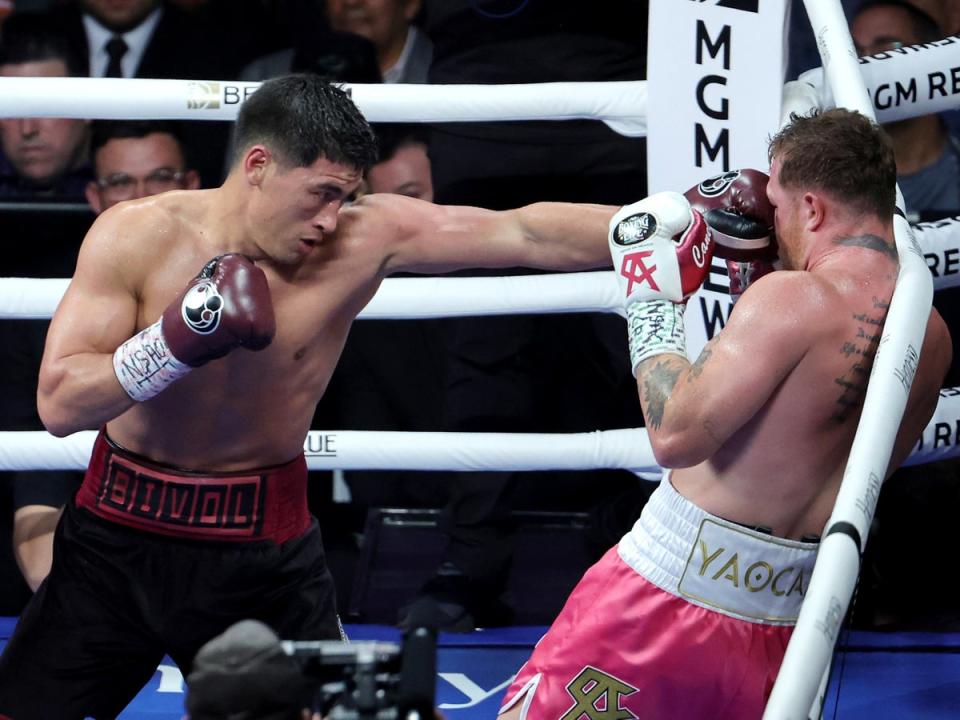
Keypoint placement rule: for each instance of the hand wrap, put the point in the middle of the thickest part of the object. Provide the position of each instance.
(661, 253)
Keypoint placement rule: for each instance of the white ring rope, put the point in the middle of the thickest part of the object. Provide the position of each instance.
(626, 449)
(909, 82)
(400, 298)
(430, 297)
(807, 660)
(903, 83)
(621, 105)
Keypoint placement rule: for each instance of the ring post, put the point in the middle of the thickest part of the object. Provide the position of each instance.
(798, 690)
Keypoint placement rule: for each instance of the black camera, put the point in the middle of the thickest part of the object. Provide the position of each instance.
(370, 680)
(248, 673)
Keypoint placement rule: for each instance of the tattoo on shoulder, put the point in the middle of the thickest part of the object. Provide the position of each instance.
(871, 242)
(658, 383)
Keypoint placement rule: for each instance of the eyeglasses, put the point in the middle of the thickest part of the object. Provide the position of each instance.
(121, 186)
(880, 45)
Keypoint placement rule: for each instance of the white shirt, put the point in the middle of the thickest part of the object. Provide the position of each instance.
(395, 71)
(136, 40)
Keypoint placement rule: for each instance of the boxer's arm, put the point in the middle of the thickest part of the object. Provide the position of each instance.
(33, 528)
(691, 410)
(550, 236)
(78, 388)
(428, 238)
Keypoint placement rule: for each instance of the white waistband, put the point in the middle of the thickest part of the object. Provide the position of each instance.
(715, 563)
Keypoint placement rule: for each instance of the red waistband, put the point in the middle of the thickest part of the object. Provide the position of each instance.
(264, 504)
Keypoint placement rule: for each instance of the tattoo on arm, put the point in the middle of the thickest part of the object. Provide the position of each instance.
(659, 379)
(697, 368)
(695, 371)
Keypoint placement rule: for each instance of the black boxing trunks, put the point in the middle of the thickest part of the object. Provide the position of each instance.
(151, 561)
(263, 504)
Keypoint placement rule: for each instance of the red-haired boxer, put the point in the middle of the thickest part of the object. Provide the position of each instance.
(689, 615)
(193, 515)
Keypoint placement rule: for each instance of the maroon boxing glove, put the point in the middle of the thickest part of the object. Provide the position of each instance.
(738, 212)
(226, 306)
(743, 273)
(740, 218)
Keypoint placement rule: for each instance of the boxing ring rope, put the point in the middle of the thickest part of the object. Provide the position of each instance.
(799, 690)
(621, 105)
(626, 449)
(432, 297)
(400, 298)
(902, 83)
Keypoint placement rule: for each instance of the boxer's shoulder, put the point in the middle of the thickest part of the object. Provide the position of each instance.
(146, 220)
(785, 307)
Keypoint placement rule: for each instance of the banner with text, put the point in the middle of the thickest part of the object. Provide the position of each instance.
(715, 74)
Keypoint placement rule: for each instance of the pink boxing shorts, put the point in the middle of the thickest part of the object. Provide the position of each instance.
(687, 617)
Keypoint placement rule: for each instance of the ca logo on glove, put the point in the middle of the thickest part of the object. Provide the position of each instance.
(201, 308)
(631, 231)
(635, 270)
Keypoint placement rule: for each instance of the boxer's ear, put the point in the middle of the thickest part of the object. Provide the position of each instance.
(256, 160)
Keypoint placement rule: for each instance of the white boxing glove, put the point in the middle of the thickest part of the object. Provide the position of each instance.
(661, 250)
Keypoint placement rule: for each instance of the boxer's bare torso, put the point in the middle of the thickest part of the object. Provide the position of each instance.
(252, 409)
(819, 329)
(761, 425)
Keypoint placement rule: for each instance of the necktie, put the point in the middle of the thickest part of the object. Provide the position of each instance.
(116, 48)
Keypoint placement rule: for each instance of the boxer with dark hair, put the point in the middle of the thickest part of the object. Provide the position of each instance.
(199, 331)
(690, 614)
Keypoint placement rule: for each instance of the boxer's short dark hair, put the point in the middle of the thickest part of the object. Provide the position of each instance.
(301, 118)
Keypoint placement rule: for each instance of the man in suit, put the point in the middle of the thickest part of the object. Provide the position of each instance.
(403, 52)
(155, 39)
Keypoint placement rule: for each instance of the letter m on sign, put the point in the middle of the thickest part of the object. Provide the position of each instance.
(745, 5)
(597, 696)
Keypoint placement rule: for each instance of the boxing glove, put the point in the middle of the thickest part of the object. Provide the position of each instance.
(226, 306)
(743, 273)
(738, 212)
(661, 253)
(740, 217)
